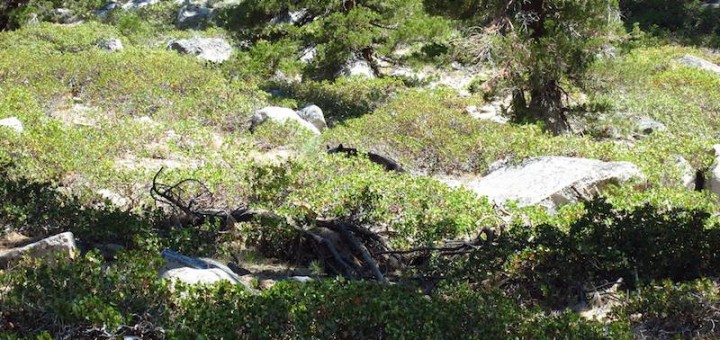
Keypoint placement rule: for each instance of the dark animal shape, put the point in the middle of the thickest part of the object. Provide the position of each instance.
(387, 163)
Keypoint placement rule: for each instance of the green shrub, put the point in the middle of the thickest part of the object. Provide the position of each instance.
(667, 309)
(81, 292)
(341, 99)
(685, 20)
(338, 30)
(546, 263)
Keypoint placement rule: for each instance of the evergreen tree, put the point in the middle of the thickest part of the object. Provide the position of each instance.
(546, 43)
(337, 28)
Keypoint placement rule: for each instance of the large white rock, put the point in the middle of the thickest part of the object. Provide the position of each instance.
(215, 50)
(12, 123)
(314, 115)
(713, 181)
(551, 181)
(357, 67)
(61, 243)
(696, 62)
(280, 115)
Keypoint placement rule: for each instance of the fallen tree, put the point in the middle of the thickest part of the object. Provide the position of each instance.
(344, 246)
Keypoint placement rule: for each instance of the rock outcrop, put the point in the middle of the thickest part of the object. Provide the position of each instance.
(549, 181)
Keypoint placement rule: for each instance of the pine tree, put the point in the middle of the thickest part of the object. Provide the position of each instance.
(339, 28)
(546, 43)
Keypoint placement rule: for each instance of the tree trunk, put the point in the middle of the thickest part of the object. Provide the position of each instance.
(546, 106)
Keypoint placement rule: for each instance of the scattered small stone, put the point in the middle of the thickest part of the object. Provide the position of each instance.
(114, 198)
(491, 111)
(302, 279)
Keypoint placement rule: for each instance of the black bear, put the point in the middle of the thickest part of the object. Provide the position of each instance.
(387, 163)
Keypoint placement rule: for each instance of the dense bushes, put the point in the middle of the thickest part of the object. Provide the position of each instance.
(639, 245)
(337, 29)
(82, 295)
(667, 309)
(686, 19)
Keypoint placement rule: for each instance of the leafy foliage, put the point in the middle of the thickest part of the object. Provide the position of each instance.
(337, 29)
(640, 245)
(686, 20)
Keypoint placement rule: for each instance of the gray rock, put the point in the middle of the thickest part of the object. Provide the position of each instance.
(307, 55)
(114, 198)
(292, 17)
(193, 270)
(197, 276)
(713, 4)
(280, 115)
(302, 279)
(105, 10)
(551, 181)
(64, 16)
(713, 181)
(135, 4)
(695, 62)
(314, 115)
(61, 243)
(110, 45)
(492, 111)
(647, 125)
(193, 16)
(357, 67)
(280, 76)
(687, 173)
(215, 50)
(12, 123)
